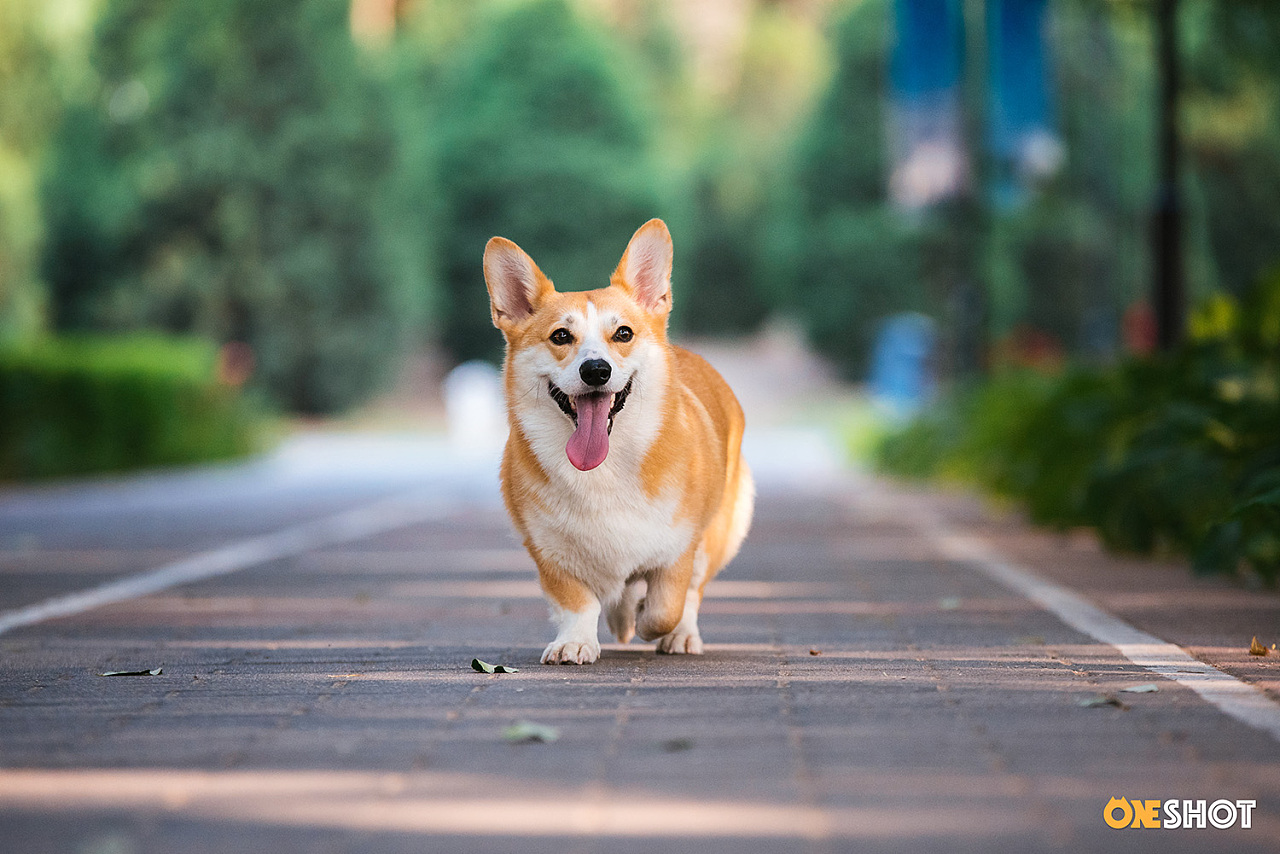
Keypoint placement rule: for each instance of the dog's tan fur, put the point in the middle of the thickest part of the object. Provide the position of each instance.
(672, 501)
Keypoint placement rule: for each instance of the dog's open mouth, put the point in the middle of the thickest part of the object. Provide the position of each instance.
(592, 415)
(566, 403)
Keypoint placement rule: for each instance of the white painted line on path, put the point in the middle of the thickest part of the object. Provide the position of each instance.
(1242, 701)
(356, 524)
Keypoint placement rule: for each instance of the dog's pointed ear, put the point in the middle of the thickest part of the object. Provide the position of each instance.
(645, 268)
(516, 285)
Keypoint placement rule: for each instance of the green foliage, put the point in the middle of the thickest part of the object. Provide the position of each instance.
(543, 142)
(81, 405)
(724, 260)
(857, 268)
(1232, 132)
(28, 112)
(229, 178)
(1067, 260)
(1179, 453)
(238, 169)
(842, 157)
(721, 268)
(846, 257)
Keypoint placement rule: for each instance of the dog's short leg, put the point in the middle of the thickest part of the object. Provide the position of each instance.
(663, 604)
(576, 641)
(684, 638)
(622, 616)
(576, 612)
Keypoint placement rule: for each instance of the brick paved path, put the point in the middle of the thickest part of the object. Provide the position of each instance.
(860, 690)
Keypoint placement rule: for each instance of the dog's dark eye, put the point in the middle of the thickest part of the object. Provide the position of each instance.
(623, 335)
(562, 336)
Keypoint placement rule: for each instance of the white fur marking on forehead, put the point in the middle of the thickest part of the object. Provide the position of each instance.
(593, 340)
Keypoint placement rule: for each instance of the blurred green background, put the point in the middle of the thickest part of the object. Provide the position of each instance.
(295, 194)
(316, 177)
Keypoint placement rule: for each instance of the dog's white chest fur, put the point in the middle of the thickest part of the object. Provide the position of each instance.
(605, 535)
(600, 525)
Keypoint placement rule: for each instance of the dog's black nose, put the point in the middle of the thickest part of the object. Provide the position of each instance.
(595, 372)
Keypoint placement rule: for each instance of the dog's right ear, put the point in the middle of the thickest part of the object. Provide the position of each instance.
(645, 268)
(516, 285)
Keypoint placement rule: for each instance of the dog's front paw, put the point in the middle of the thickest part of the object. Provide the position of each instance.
(570, 652)
(682, 641)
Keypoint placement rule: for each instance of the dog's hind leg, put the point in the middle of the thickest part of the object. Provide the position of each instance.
(718, 547)
(683, 637)
(622, 616)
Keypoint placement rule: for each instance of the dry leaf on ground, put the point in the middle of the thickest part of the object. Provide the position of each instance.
(486, 667)
(525, 731)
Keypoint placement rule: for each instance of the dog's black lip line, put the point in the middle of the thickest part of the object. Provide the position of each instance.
(566, 403)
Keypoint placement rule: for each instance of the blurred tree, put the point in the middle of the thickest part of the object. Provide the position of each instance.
(737, 176)
(723, 279)
(842, 156)
(28, 111)
(847, 258)
(1231, 129)
(228, 178)
(543, 142)
(1071, 258)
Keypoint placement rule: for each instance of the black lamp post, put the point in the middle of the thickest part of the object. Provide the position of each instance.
(1169, 294)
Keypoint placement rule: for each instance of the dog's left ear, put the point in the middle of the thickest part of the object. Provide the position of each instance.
(645, 268)
(516, 286)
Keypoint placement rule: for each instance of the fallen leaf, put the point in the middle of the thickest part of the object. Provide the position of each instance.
(1145, 688)
(155, 672)
(815, 652)
(1256, 648)
(486, 667)
(1102, 700)
(528, 731)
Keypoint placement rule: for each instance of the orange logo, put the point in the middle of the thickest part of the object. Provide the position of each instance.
(1173, 814)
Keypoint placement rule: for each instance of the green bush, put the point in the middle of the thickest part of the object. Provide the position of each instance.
(1179, 453)
(82, 405)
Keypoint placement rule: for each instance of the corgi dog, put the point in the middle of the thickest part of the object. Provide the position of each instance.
(623, 468)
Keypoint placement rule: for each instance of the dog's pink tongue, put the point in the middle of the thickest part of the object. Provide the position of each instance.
(589, 444)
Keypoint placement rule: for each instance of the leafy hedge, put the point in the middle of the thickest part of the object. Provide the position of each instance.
(1177, 453)
(82, 405)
